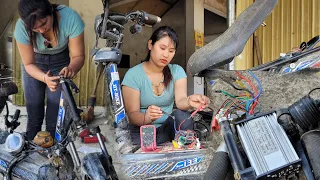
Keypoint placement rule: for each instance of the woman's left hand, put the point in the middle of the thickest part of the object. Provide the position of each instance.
(67, 72)
(197, 100)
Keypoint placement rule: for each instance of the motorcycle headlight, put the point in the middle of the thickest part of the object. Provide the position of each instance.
(14, 143)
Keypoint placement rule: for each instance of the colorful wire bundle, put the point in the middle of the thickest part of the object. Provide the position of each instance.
(186, 139)
(246, 101)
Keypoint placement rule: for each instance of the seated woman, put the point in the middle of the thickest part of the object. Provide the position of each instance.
(151, 88)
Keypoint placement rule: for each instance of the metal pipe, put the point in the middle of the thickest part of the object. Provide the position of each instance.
(75, 154)
(119, 42)
(102, 146)
(231, 4)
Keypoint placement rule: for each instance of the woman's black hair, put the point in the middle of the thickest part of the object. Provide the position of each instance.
(159, 33)
(32, 10)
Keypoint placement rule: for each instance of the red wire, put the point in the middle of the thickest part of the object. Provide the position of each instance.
(249, 81)
(195, 112)
(181, 124)
(221, 107)
(253, 87)
(253, 106)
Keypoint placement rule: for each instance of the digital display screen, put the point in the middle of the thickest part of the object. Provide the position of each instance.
(147, 130)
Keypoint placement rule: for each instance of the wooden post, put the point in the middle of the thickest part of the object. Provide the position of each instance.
(257, 48)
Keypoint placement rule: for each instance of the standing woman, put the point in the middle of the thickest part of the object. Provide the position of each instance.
(50, 39)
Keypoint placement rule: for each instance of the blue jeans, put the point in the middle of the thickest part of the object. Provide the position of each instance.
(166, 131)
(36, 92)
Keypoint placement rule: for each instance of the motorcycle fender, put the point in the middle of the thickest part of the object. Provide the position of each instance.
(93, 167)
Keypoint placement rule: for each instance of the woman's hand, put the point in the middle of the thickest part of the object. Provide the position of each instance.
(51, 81)
(67, 72)
(197, 100)
(153, 112)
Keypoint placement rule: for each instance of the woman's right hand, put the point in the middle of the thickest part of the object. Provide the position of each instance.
(153, 112)
(51, 81)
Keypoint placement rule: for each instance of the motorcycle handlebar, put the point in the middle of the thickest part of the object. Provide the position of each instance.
(150, 19)
(16, 115)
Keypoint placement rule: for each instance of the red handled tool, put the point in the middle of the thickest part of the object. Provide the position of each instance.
(91, 139)
(88, 137)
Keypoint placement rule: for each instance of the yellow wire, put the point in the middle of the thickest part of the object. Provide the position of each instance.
(241, 85)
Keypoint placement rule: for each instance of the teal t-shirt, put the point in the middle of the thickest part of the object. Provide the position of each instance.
(137, 79)
(70, 25)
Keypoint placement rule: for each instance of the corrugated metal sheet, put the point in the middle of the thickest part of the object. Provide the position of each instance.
(290, 23)
(243, 60)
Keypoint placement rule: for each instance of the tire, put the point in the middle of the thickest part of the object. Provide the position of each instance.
(218, 167)
(94, 168)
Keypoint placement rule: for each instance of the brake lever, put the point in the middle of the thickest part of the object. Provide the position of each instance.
(73, 86)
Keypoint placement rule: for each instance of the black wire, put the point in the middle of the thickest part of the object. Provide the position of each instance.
(7, 123)
(7, 111)
(206, 126)
(287, 113)
(283, 112)
(219, 91)
(13, 163)
(203, 124)
(313, 90)
(234, 104)
(210, 109)
(236, 88)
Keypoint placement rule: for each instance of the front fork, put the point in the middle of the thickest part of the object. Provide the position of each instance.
(75, 154)
(113, 81)
(67, 113)
(100, 161)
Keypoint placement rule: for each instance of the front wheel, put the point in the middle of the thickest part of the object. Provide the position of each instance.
(95, 167)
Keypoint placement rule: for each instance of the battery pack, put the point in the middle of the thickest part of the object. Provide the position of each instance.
(267, 146)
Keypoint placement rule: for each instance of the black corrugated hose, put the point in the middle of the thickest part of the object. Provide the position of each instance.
(219, 165)
(311, 142)
(305, 113)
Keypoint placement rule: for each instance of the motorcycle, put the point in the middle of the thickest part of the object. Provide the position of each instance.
(27, 160)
